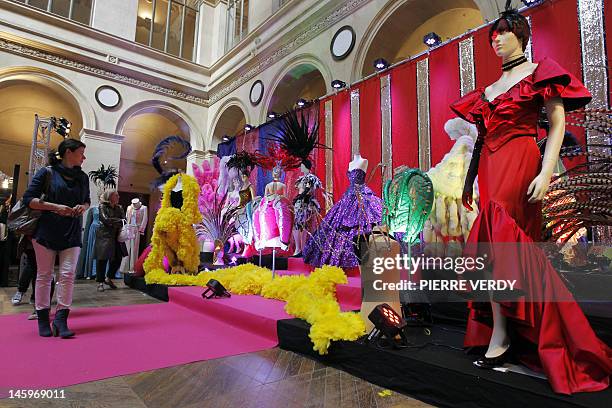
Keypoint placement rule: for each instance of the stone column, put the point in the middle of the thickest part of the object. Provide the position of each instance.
(102, 148)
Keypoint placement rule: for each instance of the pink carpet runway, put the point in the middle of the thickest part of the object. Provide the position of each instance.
(115, 341)
(121, 340)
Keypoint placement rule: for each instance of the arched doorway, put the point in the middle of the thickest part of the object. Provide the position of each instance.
(400, 34)
(303, 81)
(22, 97)
(142, 132)
(230, 123)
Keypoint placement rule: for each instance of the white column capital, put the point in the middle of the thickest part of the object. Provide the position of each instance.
(101, 136)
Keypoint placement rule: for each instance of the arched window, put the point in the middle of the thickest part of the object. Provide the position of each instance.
(77, 10)
(168, 25)
(237, 22)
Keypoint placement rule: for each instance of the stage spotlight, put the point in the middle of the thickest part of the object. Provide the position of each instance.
(62, 126)
(386, 322)
(381, 64)
(301, 102)
(214, 288)
(338, 84)
(248, 128)
(272, 115)
(432, 39)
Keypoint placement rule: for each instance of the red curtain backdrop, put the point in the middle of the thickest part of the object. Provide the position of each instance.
(487, 65)
(341, 105)
(556, 35)
(444, 88)
(319, 155)
(404, 129)
(370, 122)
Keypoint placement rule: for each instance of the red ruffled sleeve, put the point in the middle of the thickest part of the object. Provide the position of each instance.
(551, 80)
(468, 106)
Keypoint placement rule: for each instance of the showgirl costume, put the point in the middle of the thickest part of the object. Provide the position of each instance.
(306, 207)
(243, 163)
(272, 222)
(244, 215)
(568, 351)
(357, 212)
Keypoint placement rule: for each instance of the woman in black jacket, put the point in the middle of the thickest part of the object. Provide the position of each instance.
(66, 197)
(107, 249)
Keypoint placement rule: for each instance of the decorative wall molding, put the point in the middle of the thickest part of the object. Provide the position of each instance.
(30, 52)
(303, 37)
(101, 136)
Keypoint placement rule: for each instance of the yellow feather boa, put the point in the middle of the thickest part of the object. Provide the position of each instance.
(312, 298)
(173, 229)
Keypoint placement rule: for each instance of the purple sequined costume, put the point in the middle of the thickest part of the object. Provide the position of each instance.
(353, 216)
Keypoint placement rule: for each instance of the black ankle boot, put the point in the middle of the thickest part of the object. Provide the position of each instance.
(60, 324)
(44, 330)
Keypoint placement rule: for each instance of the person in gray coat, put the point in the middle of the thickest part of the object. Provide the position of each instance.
(107, 250)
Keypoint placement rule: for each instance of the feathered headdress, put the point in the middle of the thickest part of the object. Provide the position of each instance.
(295, 136)
(277, 157)
(161, 152)
(242, 161)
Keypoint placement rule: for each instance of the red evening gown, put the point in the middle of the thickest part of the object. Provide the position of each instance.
(568, 351)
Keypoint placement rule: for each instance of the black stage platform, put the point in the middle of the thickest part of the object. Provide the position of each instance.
(434, 372)
(138, 282)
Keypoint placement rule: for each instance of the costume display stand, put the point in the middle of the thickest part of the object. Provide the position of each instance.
(272, 220)
(137, 216)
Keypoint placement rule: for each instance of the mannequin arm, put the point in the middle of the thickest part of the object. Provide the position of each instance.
(145, 219)
(556, 117)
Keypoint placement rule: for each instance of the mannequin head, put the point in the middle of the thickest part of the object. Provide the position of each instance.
(276, 172)
(304, 168)
(244, 176)
(236, 183)
(110, 197)
(510, 34)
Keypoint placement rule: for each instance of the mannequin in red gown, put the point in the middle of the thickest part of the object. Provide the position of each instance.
(512, 183)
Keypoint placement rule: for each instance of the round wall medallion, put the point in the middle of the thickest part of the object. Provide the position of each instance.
(257, 90)
(108, 97)
(342, 43)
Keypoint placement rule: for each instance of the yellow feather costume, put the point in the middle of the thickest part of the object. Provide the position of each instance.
(173, 233)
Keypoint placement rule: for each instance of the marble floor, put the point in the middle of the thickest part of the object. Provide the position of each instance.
(269, 378)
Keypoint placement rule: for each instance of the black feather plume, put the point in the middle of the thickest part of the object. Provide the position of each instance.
(162, 148)
(295, 136)
(242, 161)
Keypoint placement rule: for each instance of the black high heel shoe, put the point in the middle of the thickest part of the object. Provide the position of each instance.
(487, 363)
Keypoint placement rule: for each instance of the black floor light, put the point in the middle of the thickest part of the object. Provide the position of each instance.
(387, 323)
(214, 288)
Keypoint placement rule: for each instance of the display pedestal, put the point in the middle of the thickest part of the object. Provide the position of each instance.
(436, 371)
(280, 263)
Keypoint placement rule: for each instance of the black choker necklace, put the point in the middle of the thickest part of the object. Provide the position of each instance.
(507, 66)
